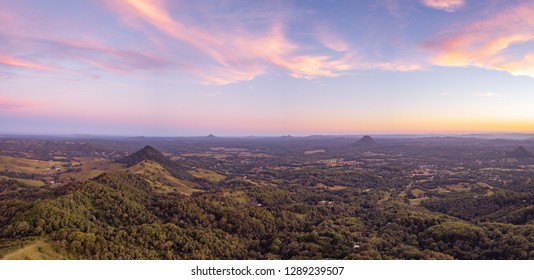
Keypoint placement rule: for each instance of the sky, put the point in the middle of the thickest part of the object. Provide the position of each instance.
(238, 68)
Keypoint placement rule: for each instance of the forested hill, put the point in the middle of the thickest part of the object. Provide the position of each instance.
(146, 153)
(122, 216)
(149, 153)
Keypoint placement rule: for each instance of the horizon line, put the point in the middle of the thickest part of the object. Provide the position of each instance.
(413, 134)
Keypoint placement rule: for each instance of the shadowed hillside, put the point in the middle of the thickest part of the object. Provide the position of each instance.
(149, 153)
(146, 153)
(365, 142)
(520, 152)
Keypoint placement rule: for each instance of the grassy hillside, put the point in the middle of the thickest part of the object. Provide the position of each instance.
(207, 175)
(162, 180)
(28, 166)
(29, 182)
(30, 249)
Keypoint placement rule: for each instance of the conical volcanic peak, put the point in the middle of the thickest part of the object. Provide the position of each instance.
(520, 152)
(146, 153)
(365, 141)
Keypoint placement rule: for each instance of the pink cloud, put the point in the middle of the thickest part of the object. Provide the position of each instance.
(331, 40)
(29, 45)
(219, 48)
(233, 51)
(277, 50)
(523, 66)
(112, 59)
(445, 5)
(58, 51)
(7, 104)
(20, 63)
(487, 43)
(239, 55)
(397, 66)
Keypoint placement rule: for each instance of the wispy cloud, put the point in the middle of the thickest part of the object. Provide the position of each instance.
(397, 66)
(7, 104)
(445, 5)
(61, 51)
(486, 94)
(242, 53)
(329, 39)
(20, 63)
(487, 43)
(521, 66)
(24, 46)
(217, 46)
(6, 75)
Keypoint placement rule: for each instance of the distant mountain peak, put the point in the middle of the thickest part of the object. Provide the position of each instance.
(211, 136)
(520, 152)
(146, 153)
(365, 141)
(149, 153)
(148, 148)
